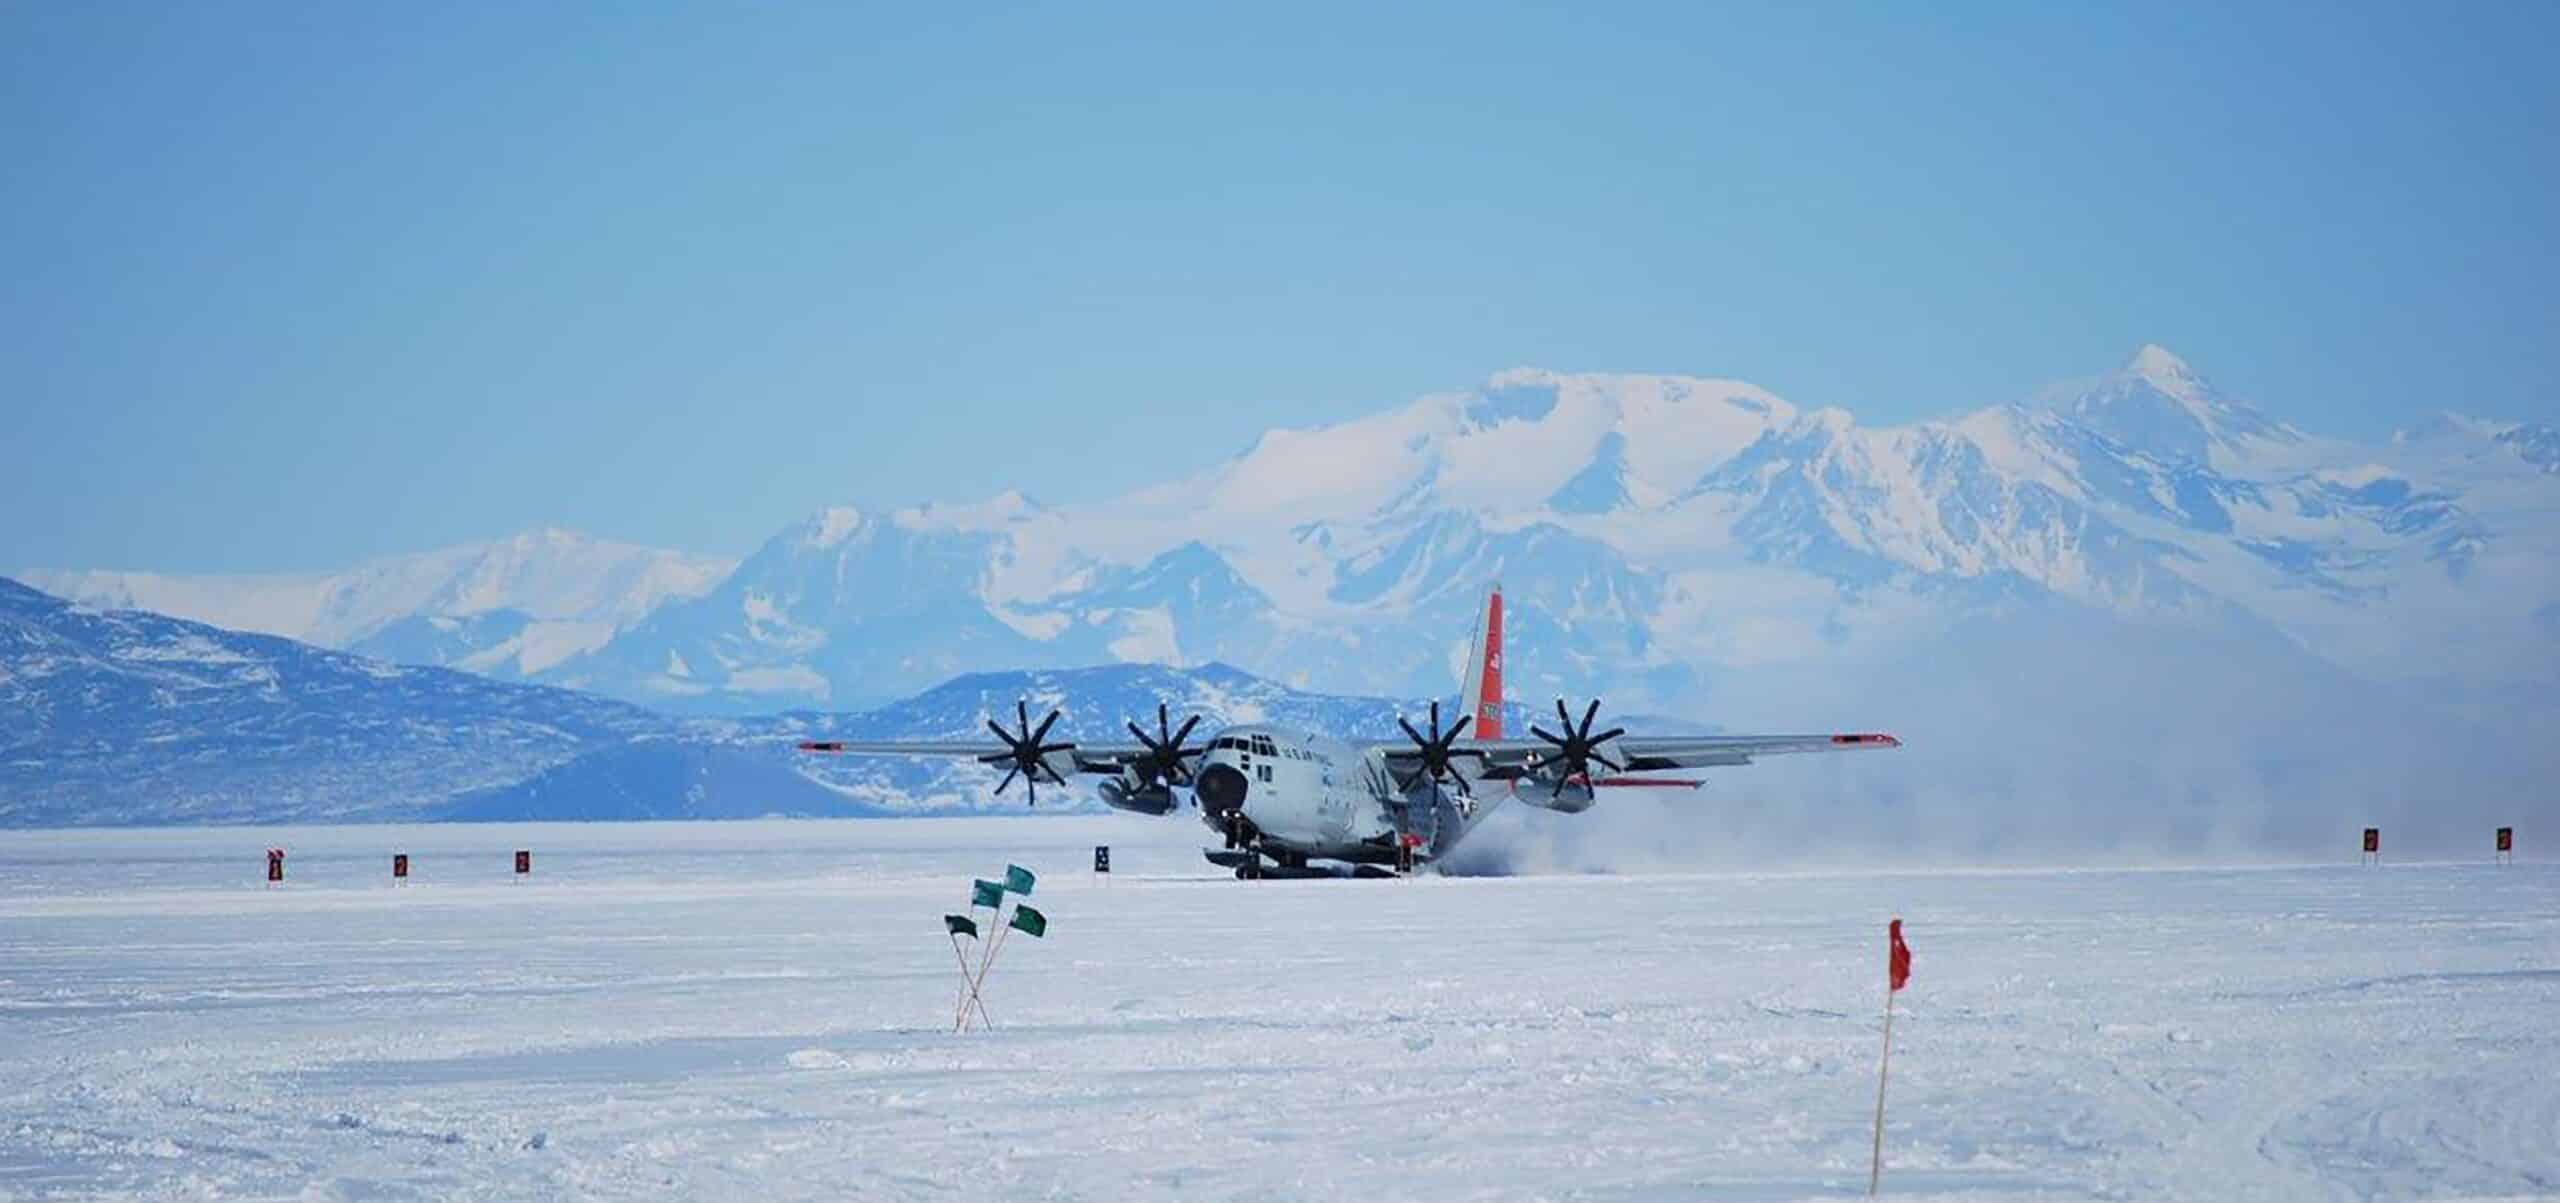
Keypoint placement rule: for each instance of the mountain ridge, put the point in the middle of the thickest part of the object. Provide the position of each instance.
(1642, 520)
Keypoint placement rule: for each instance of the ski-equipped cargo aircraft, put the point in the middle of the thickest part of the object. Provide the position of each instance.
(1283, 797)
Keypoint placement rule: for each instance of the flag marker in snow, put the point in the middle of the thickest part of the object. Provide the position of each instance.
(1102, 860)
(275, 866)
(1897, 974)
(2506, 845)
(991, 896)
(400, 868)
(2372, 846)
(1017, 881)
(524, 863)
(957, 926)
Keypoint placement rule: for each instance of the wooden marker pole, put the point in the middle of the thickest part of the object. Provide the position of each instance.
(1884, 1063)
(1897, 973)
(984, 964)
(967, 994)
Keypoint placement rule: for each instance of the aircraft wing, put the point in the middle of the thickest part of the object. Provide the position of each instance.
(1648, 753)
(1089, 758)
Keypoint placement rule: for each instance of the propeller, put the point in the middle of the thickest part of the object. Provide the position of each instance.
(1028, 756)
(1165, 754)
(1436, 751)
(1577, 749)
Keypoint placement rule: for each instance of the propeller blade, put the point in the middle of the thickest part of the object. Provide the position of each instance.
(1564, 715)
(1022, 714)
(1141, 736)
(1001, 786)
(995, 758)
(1001, 733)
(1610, 734)
(1052, 721)
(1590, 714)
(1544, 734)
(1187, 725)
(1457, 728)
(1435, 720)
(1408, 729)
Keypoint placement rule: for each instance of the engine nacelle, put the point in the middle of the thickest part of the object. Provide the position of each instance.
(1127, 792)
(1575, 798)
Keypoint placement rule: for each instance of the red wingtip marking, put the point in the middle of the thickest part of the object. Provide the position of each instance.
(1877, 738)
(820, 745)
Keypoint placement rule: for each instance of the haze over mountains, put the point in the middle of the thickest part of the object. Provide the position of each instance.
(2149, 591)
(507, 608)
(129, 717)
(1650, 528)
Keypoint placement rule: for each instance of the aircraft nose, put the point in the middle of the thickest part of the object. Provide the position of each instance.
(1221, 789)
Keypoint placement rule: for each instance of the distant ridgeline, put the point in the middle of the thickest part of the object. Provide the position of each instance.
(2146, 614)
(128, 718)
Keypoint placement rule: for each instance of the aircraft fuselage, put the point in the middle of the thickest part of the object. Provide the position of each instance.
(1301, 794)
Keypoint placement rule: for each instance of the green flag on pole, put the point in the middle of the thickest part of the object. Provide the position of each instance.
(961, 925)
(1030, 922)
(1017, 879)
(986, 893)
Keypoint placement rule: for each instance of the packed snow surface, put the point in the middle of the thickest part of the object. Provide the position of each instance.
(762, 1010)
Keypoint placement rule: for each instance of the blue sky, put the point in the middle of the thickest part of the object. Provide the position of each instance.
(295, 286)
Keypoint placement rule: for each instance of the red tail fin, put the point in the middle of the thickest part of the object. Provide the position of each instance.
(1481, 690)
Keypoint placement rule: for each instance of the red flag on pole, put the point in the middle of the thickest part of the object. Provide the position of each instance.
(1897, 974)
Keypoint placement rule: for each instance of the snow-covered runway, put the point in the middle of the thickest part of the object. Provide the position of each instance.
(761, 1011)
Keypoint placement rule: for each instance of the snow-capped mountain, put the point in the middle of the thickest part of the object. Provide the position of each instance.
(506, 608)
(1654, 530)
(131, 717)
(1656, 534)
(126, 717)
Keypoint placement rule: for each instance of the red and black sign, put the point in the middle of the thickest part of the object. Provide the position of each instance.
(524, 862)
(275, 865)
(1102, 858)
(2506, 839)
(400, 864)
(2373, 840)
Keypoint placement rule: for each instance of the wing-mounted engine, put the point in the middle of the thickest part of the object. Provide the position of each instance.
(1123, 792)
(1433, 757)
(1146, 783)
(1566, 772)
(1026, 756)
(1570, 796)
